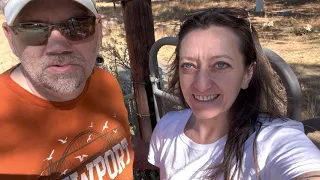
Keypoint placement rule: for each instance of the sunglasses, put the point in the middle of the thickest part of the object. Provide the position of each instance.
(36, 34)
(238, 13)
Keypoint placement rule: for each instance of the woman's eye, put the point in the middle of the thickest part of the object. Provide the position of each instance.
(221, 65)
(187, 65)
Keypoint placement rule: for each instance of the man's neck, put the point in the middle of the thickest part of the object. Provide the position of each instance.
(18, 76)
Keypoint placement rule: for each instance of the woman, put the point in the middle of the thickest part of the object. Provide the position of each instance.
(232, 126)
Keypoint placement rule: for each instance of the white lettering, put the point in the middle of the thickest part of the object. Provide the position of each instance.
(106, 155)
(120, 161)
(100, 172)
(90, 169)
(124, 144)
(84, 176)
(74, 176)
(113, 162)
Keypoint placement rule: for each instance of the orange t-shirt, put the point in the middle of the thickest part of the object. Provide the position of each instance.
(85, 138)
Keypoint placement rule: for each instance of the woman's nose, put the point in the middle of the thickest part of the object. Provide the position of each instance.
(203, 82)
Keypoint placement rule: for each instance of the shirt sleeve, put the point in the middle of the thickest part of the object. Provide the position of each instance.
(156, 144)
(292, 154)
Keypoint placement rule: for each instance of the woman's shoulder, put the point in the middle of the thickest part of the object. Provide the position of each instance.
(281, 131)
(274, 124)
(173, 119)
(284, 149)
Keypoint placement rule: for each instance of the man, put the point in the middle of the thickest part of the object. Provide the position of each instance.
(60, 117)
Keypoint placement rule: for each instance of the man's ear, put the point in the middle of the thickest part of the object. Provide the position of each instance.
(248, 75)
(8, 33)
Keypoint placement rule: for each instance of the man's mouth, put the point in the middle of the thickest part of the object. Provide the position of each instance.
(61, 68)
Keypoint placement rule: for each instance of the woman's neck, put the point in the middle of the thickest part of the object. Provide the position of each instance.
(206, 131)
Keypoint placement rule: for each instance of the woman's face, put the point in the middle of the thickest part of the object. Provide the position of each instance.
(211, 71)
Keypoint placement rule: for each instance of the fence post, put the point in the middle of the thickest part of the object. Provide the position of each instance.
(139, 28)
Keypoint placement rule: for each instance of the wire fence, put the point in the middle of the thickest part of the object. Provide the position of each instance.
(125, 81)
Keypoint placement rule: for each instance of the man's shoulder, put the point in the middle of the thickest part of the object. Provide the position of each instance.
(99, 74)
(7, 87)
(103, 81)
(6, 82)
(4, 76)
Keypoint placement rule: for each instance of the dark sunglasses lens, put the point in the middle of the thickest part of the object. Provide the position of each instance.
(75, 29)
(78, 28)
(32, 34)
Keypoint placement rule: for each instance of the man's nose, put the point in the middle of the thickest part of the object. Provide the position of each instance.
(57, 43)
(203, 81)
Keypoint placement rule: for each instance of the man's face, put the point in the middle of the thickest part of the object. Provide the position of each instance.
(60, 65)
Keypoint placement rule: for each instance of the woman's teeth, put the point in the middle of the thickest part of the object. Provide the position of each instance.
(206, 98)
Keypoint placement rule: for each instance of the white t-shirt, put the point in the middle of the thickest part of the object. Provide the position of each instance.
(284, 151)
